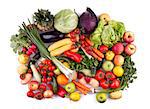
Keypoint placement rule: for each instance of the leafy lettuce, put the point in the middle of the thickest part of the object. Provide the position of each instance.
(108, 34)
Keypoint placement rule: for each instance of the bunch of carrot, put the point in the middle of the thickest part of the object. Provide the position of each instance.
(82, 88)
(94, 51)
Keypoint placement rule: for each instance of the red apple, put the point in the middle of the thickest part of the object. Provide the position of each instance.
(33, 85)
(118, 48)
(128, 37)
(103, 48)
(118, 60)
(48, 94)
(130, 49)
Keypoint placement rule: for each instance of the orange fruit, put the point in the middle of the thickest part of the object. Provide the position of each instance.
(62, 79)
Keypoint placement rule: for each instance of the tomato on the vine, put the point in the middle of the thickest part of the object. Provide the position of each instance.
(104, 84)
(115, 84)
(99, 75)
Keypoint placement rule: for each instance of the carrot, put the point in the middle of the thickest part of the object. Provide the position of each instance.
(81, 90)
(60, 50)
(89, 42)
(98, 53)
(96, 56)
(81, 86)
(59, 44)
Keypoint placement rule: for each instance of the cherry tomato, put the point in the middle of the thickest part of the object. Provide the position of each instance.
(33, 46)
(28, 53)
(77, 31)
(115, 84)
(49, 79)
(44, 80)
(30, 94)
(51, 68)
(41, 65)
(50, 86)
(42, 87)
(73, 39)
(43, 72)
(103, 48)
(99, 75)
(110, 76)
(24, 49)
(104, 84)
(31, 50)
(82, 37)
(50, 74)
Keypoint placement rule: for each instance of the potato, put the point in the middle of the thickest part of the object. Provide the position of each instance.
(116, 94)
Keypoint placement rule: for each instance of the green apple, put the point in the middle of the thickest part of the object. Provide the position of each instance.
(70, 87)
(107, 65)
(101, 97)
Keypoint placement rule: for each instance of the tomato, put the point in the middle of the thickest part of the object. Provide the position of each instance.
(51, 74)
(99, 75)
(77, 31)
(43, 72)
(103, 48)
(33, 46)
(41, 65)
(110, 76)
(50, 86)
(51, 68)
(104, 84)
(82, 37)
(115, 84)
(49, 79)
(44, 80)
(30, 94)
(42, 87)
(24, 49)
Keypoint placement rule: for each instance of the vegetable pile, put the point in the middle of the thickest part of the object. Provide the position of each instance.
(71, 55)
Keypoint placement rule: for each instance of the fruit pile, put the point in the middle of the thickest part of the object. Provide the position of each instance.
(74, 56)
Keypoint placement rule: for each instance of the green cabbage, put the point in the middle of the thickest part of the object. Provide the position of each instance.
(65, 21)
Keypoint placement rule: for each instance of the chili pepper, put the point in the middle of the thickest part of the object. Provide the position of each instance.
(61, 92)
(74, 56)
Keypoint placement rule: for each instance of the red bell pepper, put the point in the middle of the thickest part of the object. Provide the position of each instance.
(61, 92)
(74, 56)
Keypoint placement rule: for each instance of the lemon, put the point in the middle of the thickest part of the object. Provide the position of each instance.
(75, 96)
(118, 71)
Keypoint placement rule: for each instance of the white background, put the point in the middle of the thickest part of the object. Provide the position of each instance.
(135, 15)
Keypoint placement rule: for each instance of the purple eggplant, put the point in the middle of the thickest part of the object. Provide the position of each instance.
(51, 36)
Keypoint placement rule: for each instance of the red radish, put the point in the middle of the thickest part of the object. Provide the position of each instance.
(42, 87)
(87, 79)
(30, 94)
(38, 96)
(48, 94)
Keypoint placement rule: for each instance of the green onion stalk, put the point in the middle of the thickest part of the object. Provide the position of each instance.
(33, 35)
